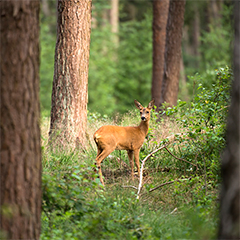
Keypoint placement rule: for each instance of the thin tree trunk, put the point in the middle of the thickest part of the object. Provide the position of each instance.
(214, 11)
(45, 8)
(20, 188)
(159, 26)
(196, 31)
(230, 194)
(114, 16)
(70, 83)
(173, 52)
(114, 21)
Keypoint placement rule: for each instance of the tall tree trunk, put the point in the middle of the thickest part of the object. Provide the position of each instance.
(214, 12)
(114, 16)
(196, 31)
(230, 194)
(114, 21)
(173, 52)
(159, 27)
(45, 8)
(70, 83)
(20, 188)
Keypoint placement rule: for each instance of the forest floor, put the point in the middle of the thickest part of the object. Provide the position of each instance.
(175, 201)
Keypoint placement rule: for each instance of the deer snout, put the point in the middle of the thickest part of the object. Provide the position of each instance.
(143, 118)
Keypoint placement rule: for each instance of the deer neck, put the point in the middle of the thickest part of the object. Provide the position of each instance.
(144, 127)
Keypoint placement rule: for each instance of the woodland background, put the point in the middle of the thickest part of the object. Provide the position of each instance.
(121, 72)
(53, 192)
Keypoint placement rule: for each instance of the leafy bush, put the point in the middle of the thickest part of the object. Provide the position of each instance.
(74, 207)
(204, 120)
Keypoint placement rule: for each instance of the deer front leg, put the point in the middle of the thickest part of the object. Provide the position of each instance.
(130, 157)
(136, 157)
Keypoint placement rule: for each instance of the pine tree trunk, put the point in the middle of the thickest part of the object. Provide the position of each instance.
(159, 27)
(214, 12)
(114, 21)
(230, 194)
(196, 31)
(173, 52)
(114, 16)
(20, 188)
(70, 83)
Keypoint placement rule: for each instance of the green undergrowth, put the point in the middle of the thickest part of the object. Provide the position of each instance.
(185, 175)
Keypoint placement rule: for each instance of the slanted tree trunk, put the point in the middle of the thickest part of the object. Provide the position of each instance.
(20, 176)
(173, 52)
(230, 193)
(70, 83)
(159, 27)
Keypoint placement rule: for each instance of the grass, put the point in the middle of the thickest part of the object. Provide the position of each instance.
(75, 206)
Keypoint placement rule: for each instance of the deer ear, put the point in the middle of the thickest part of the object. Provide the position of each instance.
(138, 105)
(151, 104)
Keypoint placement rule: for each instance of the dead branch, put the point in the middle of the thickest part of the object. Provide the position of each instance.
(130, 187)
(161, 185)
(142, 165)
(167, 141)
(166, 183)
(181, 158)
(174, 210)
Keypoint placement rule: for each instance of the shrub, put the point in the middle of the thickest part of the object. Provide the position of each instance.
(204, 120)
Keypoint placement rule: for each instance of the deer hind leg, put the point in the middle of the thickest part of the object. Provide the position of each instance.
(102, 154)
(130, 157)
(136, 157)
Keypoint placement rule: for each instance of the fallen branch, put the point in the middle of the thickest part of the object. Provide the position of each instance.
(141, 170)
(166, 142)
(182, 159)
(161, 185)
(130, 187)
(174, 210)
(166, 183)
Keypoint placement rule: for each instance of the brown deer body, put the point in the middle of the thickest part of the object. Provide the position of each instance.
(108, 138)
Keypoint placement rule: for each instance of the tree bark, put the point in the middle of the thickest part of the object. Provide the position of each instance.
(173, 52)
(159, 27)
(230, 193)
(70, 83)
(20, 189)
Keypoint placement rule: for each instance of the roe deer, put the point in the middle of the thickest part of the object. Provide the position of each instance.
(108, 138)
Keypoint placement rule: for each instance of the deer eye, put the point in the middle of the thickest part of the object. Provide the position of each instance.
(147, 111)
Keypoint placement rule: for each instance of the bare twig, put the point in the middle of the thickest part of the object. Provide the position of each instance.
(130, 187)
(174, 210)
(166, 142)
(182, 159)
(141, 170)
(166, 183)
(161, 185)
